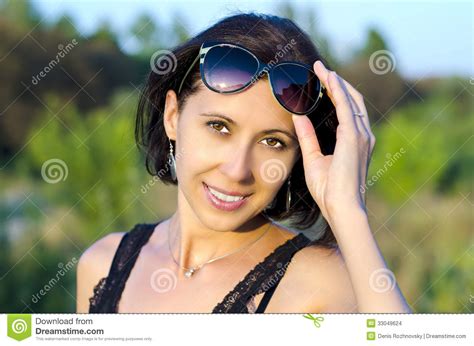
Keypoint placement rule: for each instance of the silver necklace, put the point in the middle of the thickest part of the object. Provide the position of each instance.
(190, 271)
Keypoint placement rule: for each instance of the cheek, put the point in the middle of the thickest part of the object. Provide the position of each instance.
(194, 150)
(273, 172)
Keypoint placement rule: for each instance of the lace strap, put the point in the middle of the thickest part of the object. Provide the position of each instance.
(264, 277)
(266, 299)
(109, 289)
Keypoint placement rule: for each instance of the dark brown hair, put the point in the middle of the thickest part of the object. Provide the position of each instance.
(265, 36)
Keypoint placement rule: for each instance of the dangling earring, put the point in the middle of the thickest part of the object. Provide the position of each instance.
(172, 162)
(288, 195)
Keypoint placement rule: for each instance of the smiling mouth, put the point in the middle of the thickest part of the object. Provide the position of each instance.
(223, 202)
(229, 198)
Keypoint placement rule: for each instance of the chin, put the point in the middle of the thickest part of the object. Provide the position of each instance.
(220, 223)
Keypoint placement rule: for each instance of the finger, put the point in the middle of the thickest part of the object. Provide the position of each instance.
(359, 100)
(354, 107)
(364, 120)
(324, 73)
(357, 105)
(339, 98)
(307, 138)
(344, 111)
(356, 95)
(364, 125)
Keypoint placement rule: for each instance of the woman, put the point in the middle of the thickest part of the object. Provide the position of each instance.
(246, 129)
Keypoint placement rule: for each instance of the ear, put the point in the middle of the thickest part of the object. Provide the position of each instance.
(170, 114)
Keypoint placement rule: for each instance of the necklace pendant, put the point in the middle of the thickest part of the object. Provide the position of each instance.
(188, 273)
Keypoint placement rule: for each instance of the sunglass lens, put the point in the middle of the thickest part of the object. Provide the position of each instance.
(295, 87)
(227, 69)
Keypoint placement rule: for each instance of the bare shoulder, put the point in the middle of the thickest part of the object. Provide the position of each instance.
(93, 265)
(324, 279)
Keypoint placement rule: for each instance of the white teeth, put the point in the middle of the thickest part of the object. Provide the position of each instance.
(224, 197)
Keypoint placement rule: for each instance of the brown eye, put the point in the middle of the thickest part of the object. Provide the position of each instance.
(273, 143)
(217, 126)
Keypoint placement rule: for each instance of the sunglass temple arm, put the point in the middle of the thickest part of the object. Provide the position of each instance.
(187, 72)
(201, 54)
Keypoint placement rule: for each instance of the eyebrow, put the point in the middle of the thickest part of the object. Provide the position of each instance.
(265, 132)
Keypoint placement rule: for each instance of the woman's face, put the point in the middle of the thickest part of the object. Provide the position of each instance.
(244, 143)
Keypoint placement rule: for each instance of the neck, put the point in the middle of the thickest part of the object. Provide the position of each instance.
(193, 243)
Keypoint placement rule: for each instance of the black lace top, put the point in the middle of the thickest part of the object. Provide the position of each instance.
(264, 277)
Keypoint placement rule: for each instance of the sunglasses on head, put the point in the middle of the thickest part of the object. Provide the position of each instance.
(228, 68)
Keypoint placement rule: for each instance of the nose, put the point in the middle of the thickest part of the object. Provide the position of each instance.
(238, 165)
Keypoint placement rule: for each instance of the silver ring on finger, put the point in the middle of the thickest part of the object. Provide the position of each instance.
(359, 114)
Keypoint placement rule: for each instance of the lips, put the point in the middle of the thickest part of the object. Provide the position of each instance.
(222, 204)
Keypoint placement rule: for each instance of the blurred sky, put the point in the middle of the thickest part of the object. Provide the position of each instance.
(428, 38)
